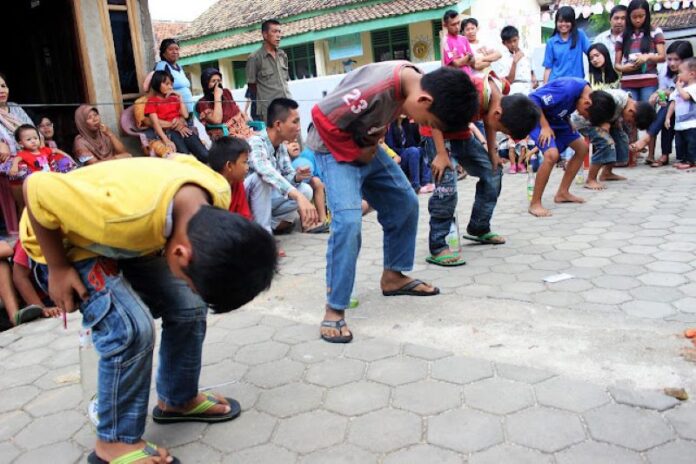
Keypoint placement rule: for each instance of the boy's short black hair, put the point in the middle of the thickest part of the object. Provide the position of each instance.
(279, 109)
(455, 99)
(602, 109)
(23, 128)
(266, 25)
(226, 149)
(645, 115)
(618, 9)
(158, 77)
(233, 259)
(473, 21)
(520, 115)
(449, 14)
(509, 33)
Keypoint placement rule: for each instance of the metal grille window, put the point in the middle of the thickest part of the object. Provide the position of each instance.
(301, 64)
(391, 44)
(437, 28)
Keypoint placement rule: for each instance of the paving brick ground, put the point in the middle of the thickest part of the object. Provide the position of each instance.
(395, 399)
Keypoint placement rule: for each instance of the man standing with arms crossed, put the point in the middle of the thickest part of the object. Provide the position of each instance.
(267, 70)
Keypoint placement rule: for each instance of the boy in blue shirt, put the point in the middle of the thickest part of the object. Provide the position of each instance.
(554, 133)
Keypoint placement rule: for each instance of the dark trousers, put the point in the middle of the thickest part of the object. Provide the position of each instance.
(191, 144)
(686, 145)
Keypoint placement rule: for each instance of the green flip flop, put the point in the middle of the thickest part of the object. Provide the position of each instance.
(487, 239)
(149, 451)
(28, 314)
(198, 412)
(445, 260)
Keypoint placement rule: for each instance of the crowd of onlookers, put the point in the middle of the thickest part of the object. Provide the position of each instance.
(259, 149)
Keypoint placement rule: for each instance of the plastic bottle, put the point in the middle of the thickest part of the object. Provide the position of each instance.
(452, 238)
(89, 368)
(580, 176)
(532, 166)
(354, 302)
(662, 96)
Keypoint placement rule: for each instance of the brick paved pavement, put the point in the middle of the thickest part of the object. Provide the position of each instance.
(438, 398)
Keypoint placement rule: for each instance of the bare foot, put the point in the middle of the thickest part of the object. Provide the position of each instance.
(221, 408)
(539, 211)
(110, 451)
(395, 280)
(334, 315)
(594, 185)
(612, 176)
(567, 197)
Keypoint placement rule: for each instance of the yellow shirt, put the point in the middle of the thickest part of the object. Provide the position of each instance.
(118, 209)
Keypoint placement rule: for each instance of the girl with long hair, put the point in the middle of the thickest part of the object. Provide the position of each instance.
(566, 48)
(639, 51)
(602, 74)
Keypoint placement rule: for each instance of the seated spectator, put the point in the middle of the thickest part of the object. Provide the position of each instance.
(95, 142)
(403, 137)
(229, 156)
(168, 114)
(11, 117)
(26, 284)
(517, 153)
(9, 297)
(218, 107)
(314, 181)
(34, 158)
(270, 161)
(47, 131)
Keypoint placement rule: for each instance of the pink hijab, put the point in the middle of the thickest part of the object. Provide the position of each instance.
(96, 142)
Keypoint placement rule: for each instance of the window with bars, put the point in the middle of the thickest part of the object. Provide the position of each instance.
(301, 64)
(391, 44)
(437, 28)
(239, 71)
(210, 64)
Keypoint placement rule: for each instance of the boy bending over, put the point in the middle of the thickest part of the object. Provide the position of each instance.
(136, 239)
(554, 133)
(348, 125)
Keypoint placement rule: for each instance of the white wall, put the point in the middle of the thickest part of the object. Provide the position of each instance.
(493, 15)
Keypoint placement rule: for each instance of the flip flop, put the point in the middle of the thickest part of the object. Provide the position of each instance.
(485, 238)
(444, 260)
(197, 413)
(28, 314)
(409, 290)
(338, 325)
(321, 229)
(150, 450)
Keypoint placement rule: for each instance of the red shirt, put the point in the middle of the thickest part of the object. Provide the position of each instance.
(239, 203)
(166, 109)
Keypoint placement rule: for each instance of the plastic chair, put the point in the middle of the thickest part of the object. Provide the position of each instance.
(129, 127)
(258, 126)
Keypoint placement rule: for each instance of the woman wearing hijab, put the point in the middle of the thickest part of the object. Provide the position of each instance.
(95, 141)
(218, 107)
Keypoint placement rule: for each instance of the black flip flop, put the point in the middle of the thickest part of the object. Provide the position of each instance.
(28, 314)
(409, 290)
(197, 414)
(338, 325)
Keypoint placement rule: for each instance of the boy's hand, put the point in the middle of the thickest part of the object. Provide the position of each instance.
(653, 99)
(307, 211)
(439, 165)
(546, 135)
(517, 56)
(680, 84)
(367, 154)
(495, 162)
(169, 144)
(302, 173)
(668, 123)
(63, 283)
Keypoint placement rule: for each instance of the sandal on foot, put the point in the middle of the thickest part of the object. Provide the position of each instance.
(448, 260)
(410, 290)
(486, 239)
(28, 314)
(149, 451)
(198, 412)
(338, 325)
(320, 229)
(659, 163)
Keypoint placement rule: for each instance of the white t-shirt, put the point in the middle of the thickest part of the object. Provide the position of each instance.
(475, 49)
(684, 110)
(523, 72)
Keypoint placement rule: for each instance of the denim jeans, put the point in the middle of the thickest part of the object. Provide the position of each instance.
(124, 297)
(443, 202)
(685, 142)
(415, 166)
(385, 187)
(641, 94)
(608, 147)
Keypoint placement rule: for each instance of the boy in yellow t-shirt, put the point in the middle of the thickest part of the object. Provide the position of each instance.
(136, 239)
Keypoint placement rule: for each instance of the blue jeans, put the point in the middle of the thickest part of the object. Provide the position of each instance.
(385, 187)
(124, 297)
(641, 94)
(667, 135)
(608, 146)
(415, 166)
(443, 202)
